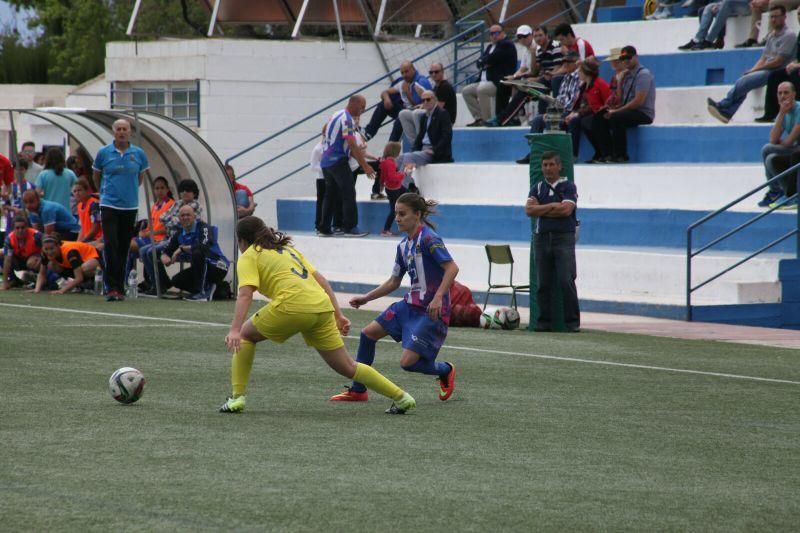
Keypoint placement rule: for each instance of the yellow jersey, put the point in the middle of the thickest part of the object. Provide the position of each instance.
(285, 277)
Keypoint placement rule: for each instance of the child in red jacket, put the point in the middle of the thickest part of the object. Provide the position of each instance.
(392, 179)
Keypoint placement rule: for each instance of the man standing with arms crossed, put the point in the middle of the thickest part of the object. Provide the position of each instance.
(118, 172)
(553, 201)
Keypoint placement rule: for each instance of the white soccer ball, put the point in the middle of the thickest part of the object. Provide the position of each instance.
(126, 385)
(499, 318)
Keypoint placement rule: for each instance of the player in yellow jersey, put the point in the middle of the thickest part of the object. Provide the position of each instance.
(301, 301)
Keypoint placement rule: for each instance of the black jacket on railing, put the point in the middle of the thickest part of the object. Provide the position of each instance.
(440, 133)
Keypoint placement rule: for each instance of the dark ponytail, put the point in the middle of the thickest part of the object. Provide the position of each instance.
(420, 205)
(252, 230)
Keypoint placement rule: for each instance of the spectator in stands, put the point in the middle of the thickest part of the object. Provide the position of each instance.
(663, 10)
(545, 69)
(783, 141)
(612, 102)
(508, 115)
(757, 8)
(553, 202)
(28, 153)
(88, 210)
(712, 24)
(157, 238)
(339, 144)
(75, 262)
(566, 36)
(567, 97)
(188, 194)
(355, 167)
(637, 106)
(50, 217)
(790, 72)
(404, 93)
(595, 92)
(779, 50)
(434, 140)
(209, 265)
(245, 204)
(393, 179)
(118, 170)
(446, 96)
(55, 182)
(21, 251)
(498, 61)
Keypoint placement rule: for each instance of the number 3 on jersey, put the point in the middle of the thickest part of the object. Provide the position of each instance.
(304, 273)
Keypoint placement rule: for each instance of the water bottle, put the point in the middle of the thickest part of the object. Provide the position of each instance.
(98, 282)
(133, 289)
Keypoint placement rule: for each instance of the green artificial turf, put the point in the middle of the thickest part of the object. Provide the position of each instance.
(525, 444)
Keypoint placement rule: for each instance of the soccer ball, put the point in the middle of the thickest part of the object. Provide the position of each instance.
(126, 385)
(499, 318)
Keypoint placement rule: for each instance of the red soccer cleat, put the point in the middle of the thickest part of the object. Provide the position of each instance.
(349, 395)
(447, 384)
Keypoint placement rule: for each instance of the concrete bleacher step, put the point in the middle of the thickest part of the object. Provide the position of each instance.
(643, 186)
(677, 106)
(664, 228)
(720, 143)
(665, 36)
(633, 276)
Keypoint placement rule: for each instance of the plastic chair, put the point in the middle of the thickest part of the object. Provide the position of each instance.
(500, 254)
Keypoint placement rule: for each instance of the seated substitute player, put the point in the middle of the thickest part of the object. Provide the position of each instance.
(209, 265)
(74, 261)
(22, 251)
(301, 301)
(420, 320)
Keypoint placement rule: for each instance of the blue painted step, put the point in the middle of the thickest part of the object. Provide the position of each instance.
(647, 144)
(660, 228)
(690, 69)
(618, 14)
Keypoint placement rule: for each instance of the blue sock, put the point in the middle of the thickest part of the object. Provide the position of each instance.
(365, 355)
(432, 368)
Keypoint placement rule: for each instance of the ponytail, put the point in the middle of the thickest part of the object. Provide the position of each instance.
(420, 205)
(253, 231)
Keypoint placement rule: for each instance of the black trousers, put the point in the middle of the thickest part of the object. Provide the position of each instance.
(777, 77)
(379, 115)
(393, 196)
(199, 276)
(339, 180)
(785, 162)
(118, 230)
(611, 134)
(555, 263)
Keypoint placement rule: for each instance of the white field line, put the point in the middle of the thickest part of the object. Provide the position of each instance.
(447, 346)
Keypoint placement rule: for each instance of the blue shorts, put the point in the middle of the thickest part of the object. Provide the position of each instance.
(414, 328)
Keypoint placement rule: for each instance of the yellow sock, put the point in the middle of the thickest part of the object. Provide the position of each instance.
(372, 379)
(241, 364)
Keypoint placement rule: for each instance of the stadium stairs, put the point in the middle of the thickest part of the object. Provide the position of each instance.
(632, 249)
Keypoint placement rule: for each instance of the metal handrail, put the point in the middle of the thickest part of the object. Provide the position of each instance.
(346, 97)
(691, 254)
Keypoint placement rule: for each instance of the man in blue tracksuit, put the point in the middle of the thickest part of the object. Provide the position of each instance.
(208, 264)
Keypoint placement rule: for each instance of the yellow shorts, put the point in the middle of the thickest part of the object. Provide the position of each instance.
(318, 329)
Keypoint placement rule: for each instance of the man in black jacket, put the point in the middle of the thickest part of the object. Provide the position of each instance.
(433, 142)
(498, 61)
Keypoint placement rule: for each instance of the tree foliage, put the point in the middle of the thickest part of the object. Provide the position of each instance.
(74, 33)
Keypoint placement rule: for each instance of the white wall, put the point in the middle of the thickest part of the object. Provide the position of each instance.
(250, 89)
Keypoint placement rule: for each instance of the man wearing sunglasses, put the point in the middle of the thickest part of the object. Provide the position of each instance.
(28, 153)
(446, 96)
(434, 138)
(498, 61)
(405, 93)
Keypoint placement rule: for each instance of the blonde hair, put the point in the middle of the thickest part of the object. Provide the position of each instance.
(392, 149)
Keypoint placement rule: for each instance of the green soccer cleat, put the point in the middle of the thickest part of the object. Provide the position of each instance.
(233, 405)
(399, 407)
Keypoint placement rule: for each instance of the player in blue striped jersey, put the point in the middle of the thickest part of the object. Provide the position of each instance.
(421, 319)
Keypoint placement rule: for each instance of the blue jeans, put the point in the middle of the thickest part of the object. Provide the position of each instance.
(145, 254)
(768, 154)
(713, 24)
(730, 104)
